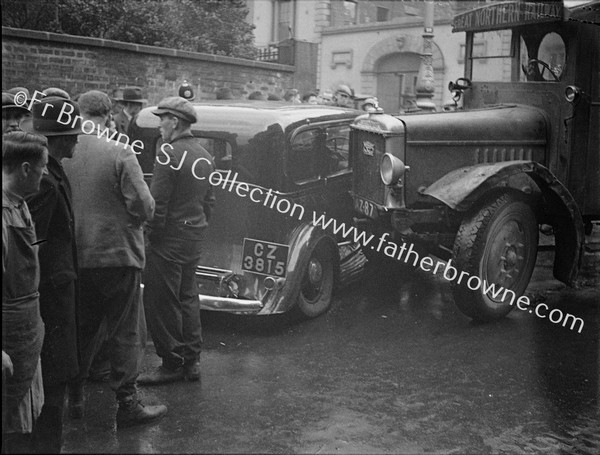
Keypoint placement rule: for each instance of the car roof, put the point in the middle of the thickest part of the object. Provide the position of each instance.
(246, 118)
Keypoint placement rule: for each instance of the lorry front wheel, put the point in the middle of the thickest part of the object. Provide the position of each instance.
(316, 289)
(498, 245)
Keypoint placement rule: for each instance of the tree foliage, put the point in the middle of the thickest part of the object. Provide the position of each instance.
(212, 26)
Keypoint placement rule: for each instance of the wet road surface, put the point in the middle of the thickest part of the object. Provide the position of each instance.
(394, 367)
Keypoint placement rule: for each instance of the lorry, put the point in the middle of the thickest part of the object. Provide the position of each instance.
(519, 153)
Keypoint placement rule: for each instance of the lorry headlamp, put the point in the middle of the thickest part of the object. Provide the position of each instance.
(391, 169)
(572, 94)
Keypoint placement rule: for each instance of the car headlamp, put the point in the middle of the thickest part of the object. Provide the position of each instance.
(391, 169)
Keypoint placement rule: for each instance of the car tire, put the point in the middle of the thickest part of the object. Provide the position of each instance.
(498, 244)
(316, 289)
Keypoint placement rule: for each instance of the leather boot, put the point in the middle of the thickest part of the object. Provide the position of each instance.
(132, 412)
(191, 370)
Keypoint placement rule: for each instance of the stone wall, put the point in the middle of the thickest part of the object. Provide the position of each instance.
(37, 60)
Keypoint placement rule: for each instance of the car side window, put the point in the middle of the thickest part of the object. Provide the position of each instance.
(338, 144)
(319, 152)
(220, 150)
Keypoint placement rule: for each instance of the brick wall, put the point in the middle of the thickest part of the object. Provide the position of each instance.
(37, 60)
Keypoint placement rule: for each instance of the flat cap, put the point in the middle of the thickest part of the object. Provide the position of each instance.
(344, 89)
(8, 102)
(177, 106)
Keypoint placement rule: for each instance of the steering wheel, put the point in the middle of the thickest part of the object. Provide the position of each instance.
(545, 67)
(333, 152)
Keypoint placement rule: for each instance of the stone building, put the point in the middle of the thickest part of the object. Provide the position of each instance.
(374, 46)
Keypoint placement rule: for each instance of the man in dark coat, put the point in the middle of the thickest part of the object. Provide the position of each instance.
(184, 199)
(52, 214)
(132, 104)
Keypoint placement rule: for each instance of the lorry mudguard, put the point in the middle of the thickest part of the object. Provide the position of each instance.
(462, 188)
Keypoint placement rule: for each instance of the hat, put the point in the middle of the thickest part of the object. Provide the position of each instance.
(132, 95)
(345, 89)
(177, 106)
(55, 91)
(8, 102)
(16, 90)
(186, 91)
(371, 101)
(48, 124)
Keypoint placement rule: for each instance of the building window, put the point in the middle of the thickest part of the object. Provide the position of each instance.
(479, 50)
(383, 14)
(350, 8)
(284, 25)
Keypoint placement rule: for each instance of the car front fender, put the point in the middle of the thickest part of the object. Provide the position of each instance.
(303, 240)
(462, 188)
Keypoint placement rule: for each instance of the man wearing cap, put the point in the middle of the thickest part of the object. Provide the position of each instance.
(344, 96)
(12, 114)
(52, 214)
(111, 202)
(184, 200)
(132, 101)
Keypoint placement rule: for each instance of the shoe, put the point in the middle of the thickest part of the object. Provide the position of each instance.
(76, 401)
(191, 370)
(132, 412)
(161, 375)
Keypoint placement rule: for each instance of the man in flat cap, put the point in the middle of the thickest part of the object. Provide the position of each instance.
(132, 102)
(344, 96)
(184, 200)
(12, 114)
(52, 213)
(111, 203)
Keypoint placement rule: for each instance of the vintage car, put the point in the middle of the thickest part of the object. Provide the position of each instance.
(276, 164)
(474, 184)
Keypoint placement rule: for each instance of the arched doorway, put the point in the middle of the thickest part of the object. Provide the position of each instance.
(396, 80)
(390, 67)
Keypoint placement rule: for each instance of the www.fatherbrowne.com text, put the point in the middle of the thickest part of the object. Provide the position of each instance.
(228, 181)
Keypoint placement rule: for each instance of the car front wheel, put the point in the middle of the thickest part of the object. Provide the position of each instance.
(497, 244)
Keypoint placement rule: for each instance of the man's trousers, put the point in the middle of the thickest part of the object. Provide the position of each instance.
(113, 293)
(172, 304)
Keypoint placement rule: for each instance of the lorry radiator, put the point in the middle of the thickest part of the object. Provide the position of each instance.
(370, 148)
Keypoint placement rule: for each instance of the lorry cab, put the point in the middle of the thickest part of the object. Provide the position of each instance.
(520, 149)
(546, 56)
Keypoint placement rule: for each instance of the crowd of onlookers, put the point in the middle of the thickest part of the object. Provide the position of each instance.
(343, 96)
(81, 230)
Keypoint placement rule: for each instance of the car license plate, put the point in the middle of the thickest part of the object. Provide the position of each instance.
(365, 207)
(266, 258)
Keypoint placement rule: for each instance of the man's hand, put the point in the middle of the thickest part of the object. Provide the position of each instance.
(7, 366)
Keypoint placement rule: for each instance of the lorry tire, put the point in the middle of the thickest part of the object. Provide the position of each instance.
(498, 244)
(316, 289)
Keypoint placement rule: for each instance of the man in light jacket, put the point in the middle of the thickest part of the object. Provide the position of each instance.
(111, 202)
